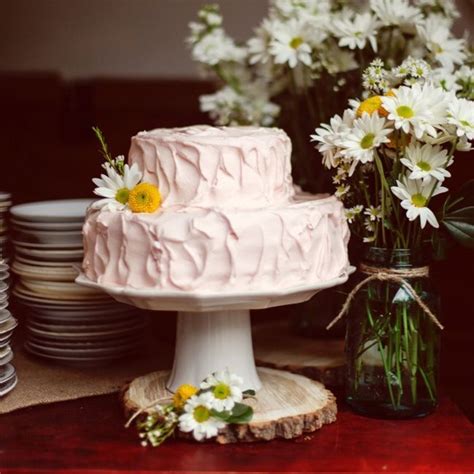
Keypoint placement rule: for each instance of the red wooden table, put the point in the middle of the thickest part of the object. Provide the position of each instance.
(88, 436)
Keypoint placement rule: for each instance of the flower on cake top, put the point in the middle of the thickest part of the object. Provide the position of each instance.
(114, 188)
(120, 187)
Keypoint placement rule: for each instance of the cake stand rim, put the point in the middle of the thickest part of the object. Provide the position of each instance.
(82, 279)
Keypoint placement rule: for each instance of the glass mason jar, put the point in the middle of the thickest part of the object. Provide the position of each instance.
(392, 344)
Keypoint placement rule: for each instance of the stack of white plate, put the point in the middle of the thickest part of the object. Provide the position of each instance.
(5, 203)
(65, 322)
(8, 377)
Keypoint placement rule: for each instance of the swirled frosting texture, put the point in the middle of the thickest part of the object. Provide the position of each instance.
(205, 249)
(245, 167)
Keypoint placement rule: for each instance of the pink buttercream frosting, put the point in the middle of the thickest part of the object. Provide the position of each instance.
(216, 166)
(230, 219)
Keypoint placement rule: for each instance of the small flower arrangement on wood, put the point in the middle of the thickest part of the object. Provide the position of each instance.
(200, 411)
(121, 186)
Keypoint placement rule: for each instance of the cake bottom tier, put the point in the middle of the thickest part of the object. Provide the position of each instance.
(208, 250)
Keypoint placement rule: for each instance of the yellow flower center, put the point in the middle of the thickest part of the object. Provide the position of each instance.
(296, 42)
(423, 165)
(122, 195)
(201, 414)
(182, 394)
(144, 197)
(418, 200)
(465, 123)
(221, 391)
(367, 141)
(405, 112)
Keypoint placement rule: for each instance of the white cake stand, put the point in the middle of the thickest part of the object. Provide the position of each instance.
(213, 330)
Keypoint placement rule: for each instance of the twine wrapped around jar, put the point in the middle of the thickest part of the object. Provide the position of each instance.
(396, 275)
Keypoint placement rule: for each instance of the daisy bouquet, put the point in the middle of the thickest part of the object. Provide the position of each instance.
(305, 58)
(201, 411)
(391, 156)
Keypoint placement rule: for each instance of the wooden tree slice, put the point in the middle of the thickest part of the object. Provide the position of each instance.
(318, 359)
(287, 406)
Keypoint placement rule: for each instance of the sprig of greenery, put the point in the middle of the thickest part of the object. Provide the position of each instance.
(118, 163)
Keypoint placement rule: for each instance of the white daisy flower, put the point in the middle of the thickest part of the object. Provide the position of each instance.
(461, 115)
(215, 47)
(368, 133)
(426, 162)
(197, 418)
(352, 212)
(329, 135)
(397, 13)
(342, 190)
(374, 213)
(258, 45)
(225, 389)
(289, 44)
(114, 188)
(418, 109)
(414, 195)
(435, 33)
(355, 33)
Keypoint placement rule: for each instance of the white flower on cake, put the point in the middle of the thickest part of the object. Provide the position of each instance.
(418, 109)
(368, 133)
(115, 188)
(415, 195)
(396, 12)
(289, 45)
(197, 417)
(461, 115)
(225, 389)
(426, 162)
(435, 33)
(355, 33)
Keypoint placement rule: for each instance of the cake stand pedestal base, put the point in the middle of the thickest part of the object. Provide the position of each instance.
(287, 406)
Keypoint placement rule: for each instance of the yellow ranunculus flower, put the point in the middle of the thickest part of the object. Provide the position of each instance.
(183, 392)
(144, 197)
(371, 105)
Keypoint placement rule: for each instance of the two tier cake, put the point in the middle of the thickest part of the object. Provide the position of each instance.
(230, 219)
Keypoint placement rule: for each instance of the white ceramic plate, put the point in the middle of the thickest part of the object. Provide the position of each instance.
(35, 272)
(8, 386)
(83, 328)
(208, 301)
(4, 196)
(109, 311)
(60, 289)
(47, 239)
(19, 244)
(49, 255)
(88, 335)
(4, 315)
(7, 326)
(6, 373)
(46, 226)
(28, 298)
(41, 264)
(6, 356)
(84, 352)
(68, 210)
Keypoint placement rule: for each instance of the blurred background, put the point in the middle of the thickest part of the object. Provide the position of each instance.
(67, 65)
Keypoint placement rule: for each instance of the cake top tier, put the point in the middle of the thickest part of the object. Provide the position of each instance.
(216, 166)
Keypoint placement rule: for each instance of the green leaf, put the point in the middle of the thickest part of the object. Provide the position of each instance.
(241, 414)
(458, 215)
(221, 415)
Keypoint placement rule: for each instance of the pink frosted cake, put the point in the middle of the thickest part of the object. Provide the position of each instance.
(229, 220)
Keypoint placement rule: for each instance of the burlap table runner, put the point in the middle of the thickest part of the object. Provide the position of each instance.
(41, 382)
